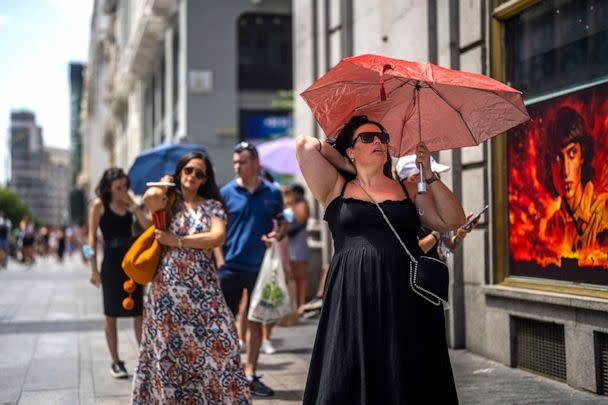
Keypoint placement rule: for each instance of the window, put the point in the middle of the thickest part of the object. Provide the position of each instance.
(556, 44)
(264, 52)
(551, 207)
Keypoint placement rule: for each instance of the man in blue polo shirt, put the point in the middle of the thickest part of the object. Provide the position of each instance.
(255, 209)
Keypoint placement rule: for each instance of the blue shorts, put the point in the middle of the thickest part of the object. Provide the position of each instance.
(4, 245)
(233, 283)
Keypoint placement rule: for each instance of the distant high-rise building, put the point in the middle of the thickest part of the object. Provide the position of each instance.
(58, 185)
(76, 83)
(39, 175)
(77, 198)
(27, 158)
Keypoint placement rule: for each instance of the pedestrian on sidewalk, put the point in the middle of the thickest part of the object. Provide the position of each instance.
(255, 209)
(378, 342)
(110, 212)
(299, 253)
(5, 239)
(27, 240)
(189, 351)
(434, 244)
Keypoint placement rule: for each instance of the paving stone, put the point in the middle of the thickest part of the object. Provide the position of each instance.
(52, 374)
(49, 397)
(53, 350)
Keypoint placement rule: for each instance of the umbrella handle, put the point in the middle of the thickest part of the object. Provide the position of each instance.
(421, 182)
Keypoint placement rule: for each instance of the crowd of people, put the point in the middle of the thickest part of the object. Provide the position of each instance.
(25, 242)
(191, 322)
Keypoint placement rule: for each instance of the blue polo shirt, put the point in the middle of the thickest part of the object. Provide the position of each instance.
(250, 216)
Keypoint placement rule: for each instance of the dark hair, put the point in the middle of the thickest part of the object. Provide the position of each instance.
(344, 140)
(242, 146)
(208, 189)
(104, 187)
(567, 127)
(267, 176)
(297, 189)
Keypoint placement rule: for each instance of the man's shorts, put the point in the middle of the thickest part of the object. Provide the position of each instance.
(4, 245)
(233, 283)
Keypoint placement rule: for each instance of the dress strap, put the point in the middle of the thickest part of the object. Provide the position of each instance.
(343, 188)
(405, 189)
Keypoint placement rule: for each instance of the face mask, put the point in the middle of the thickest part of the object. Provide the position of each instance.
(288, 214)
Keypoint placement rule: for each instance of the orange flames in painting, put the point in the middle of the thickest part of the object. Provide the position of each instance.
(531, 204)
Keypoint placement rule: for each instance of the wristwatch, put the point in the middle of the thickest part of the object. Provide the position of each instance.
(432, 179)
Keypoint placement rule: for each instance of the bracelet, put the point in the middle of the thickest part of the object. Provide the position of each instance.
(434, 177)
(320, 144)
(434, 237)
(180, 243)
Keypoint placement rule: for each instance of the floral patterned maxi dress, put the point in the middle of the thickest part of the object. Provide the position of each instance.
(189, 351)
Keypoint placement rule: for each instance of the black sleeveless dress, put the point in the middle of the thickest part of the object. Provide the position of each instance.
(117, 236)
(377, 341)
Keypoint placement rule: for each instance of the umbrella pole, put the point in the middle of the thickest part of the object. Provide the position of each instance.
(421, 187)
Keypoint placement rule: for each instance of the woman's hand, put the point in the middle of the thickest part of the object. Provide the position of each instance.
(165, 238)
(155, 198)
(423, 156)
(167, 179)
(95, 278)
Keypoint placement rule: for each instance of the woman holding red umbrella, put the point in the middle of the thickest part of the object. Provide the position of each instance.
(378, 342)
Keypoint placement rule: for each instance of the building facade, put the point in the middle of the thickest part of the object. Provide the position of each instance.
(39, 175)
(185, 71)
(95, 109)
(58, 184)
(547, 313)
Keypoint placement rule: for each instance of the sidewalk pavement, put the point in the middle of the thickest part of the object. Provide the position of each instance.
(53, 351)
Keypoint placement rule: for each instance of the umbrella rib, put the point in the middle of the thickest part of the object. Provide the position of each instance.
(405, 122)
(377, 101)
(346, 81)
(459, 113)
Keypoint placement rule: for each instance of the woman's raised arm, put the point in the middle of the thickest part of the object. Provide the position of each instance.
(320, 162)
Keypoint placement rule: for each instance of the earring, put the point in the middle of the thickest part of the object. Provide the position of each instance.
(352, 160)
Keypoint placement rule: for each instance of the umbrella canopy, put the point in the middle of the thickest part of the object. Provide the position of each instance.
(154, 163)
(415, 102)
(279, 155)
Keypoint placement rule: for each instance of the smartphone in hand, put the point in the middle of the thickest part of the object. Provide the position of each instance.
(469, 224)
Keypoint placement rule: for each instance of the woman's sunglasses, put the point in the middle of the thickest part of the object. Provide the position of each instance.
(197, 173)
(368, 137)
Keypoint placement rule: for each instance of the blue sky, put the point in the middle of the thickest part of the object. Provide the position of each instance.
(38, 39)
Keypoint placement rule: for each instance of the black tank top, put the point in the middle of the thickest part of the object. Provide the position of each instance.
(116, 228)
(355, 222)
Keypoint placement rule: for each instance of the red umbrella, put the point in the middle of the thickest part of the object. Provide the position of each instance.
(415, 102)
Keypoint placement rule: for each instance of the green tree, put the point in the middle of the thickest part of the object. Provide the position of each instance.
(14, 207)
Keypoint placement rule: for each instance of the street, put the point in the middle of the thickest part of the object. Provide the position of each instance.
(53, 351)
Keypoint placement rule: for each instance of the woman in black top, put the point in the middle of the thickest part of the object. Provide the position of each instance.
(110, 211)
(377, 342)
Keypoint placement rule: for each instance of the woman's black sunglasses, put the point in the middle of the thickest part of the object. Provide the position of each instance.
(368, 137)
(197, 172)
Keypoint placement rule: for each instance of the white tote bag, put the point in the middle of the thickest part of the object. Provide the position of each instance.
(270, 297)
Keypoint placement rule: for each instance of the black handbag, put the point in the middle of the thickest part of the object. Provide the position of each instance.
(429, 277)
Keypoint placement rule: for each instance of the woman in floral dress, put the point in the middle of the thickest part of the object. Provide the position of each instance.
(189, 350)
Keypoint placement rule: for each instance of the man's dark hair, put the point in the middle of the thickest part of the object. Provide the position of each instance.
(567, 127)
(246, 146)
(344, 140)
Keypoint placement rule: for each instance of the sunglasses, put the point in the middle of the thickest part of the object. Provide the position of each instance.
(248, 147)
(197, 173)
(368, 137)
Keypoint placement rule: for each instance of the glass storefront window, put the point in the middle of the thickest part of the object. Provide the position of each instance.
(557, 44)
